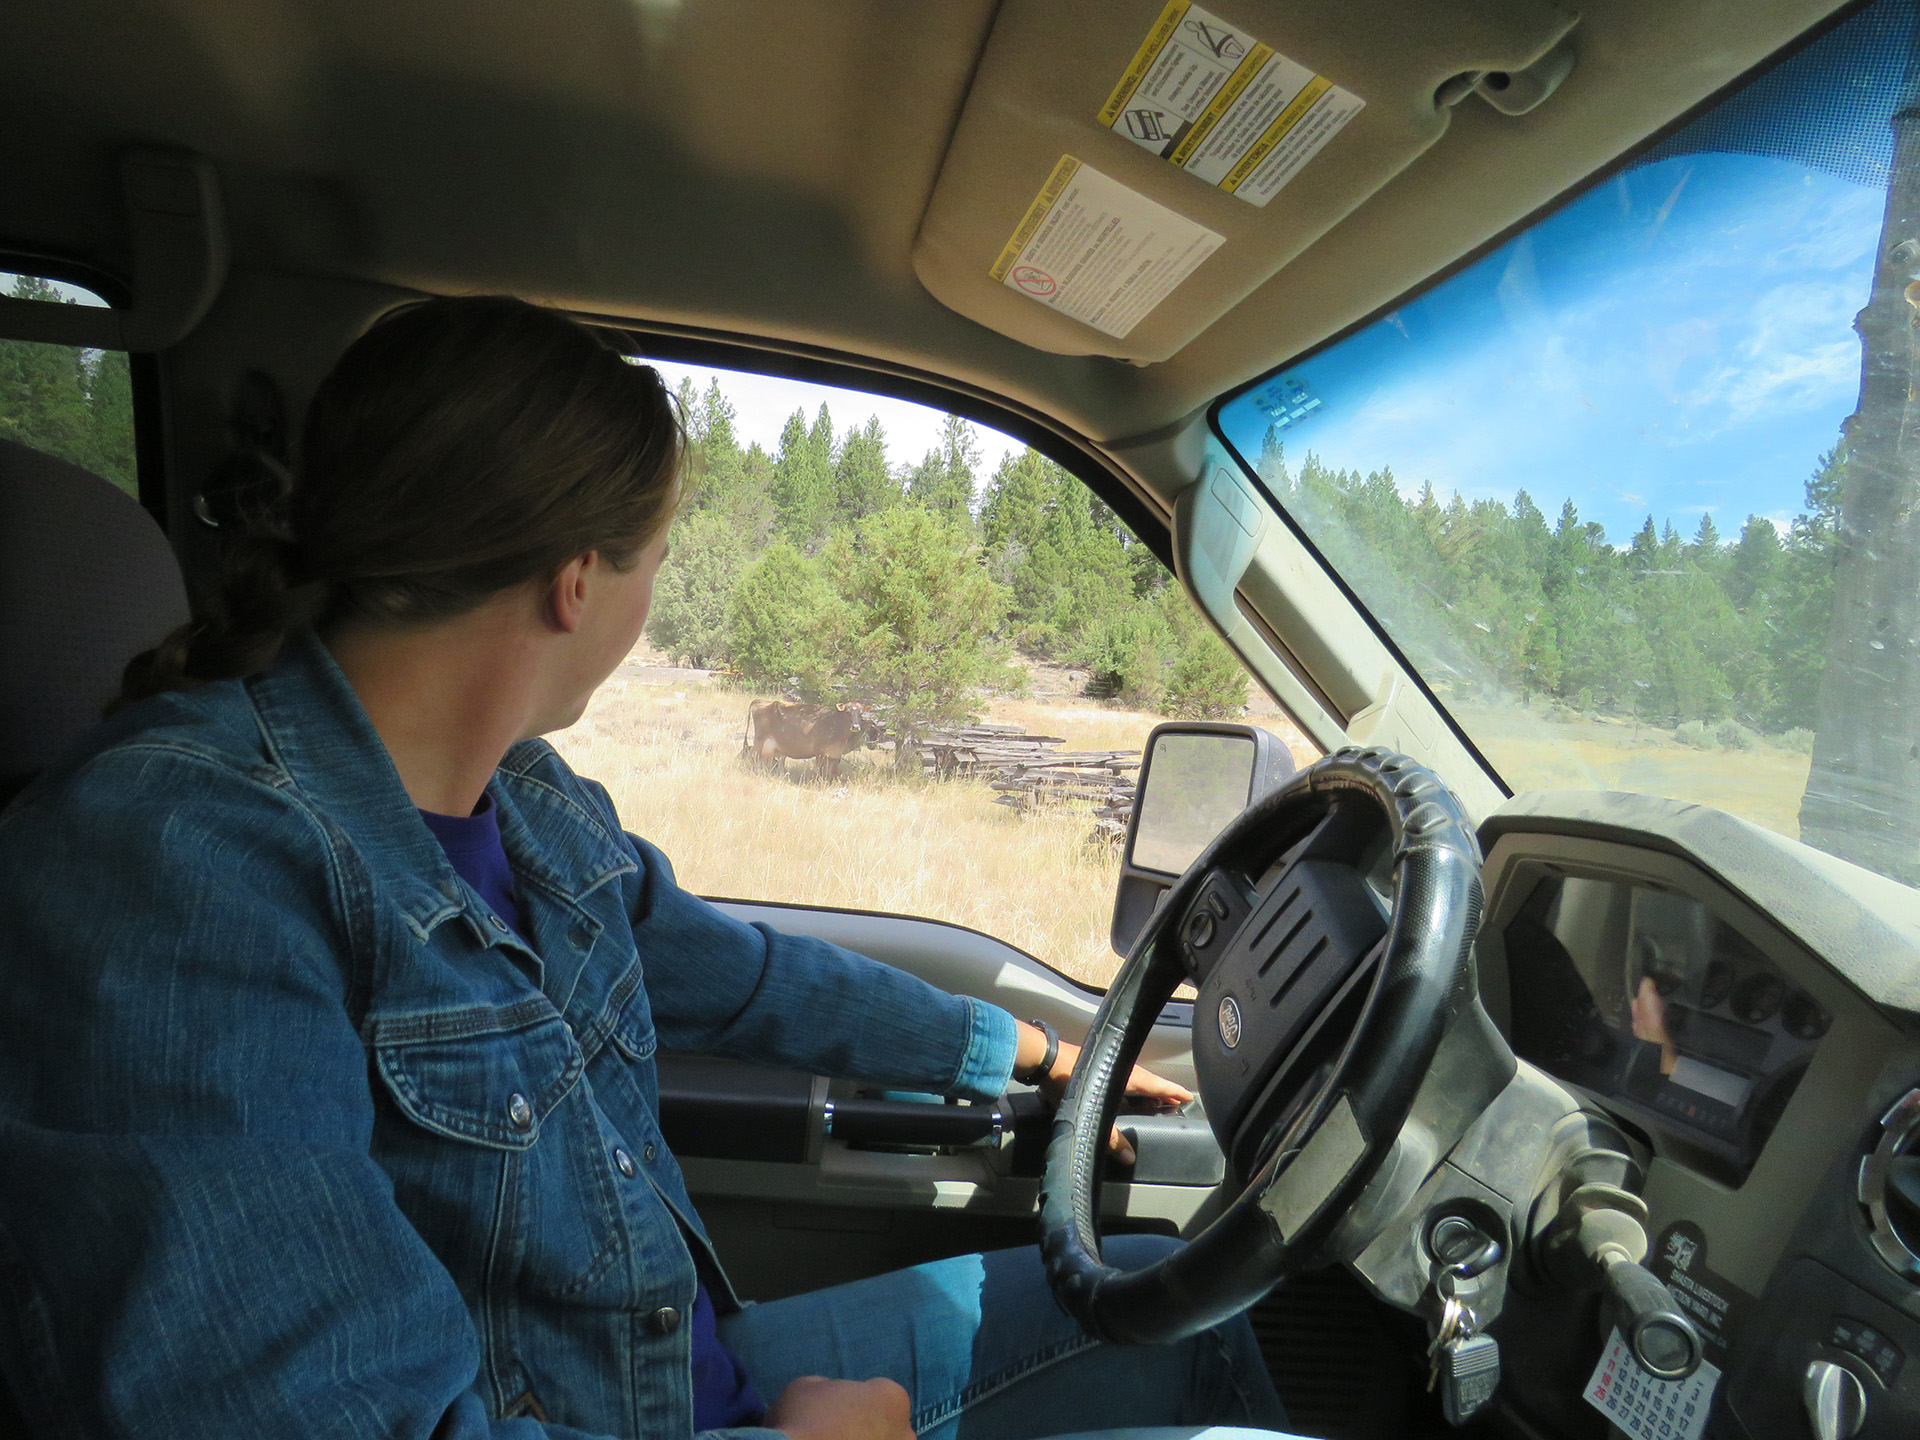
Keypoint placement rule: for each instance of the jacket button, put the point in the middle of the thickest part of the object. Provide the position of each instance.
(664, 1321)
(624, 1161)
(648, 1153)
(580, 936)
(519, 1112)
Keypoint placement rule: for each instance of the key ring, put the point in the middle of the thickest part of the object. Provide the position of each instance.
(1471, 1266)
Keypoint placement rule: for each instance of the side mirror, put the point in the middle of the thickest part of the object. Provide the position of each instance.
(1196, 777)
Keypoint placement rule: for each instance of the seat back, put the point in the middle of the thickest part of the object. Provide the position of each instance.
(87, 581)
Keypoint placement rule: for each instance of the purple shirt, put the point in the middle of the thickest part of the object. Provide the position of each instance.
(723, 1393)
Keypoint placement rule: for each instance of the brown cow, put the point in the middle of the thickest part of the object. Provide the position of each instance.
(780, 730)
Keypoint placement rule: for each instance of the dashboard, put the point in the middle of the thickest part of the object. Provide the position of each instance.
(1744, 1011)
(1649, 1001)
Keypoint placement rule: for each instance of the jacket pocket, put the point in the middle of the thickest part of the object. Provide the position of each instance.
(490, 1077)
(633, 1033)
(527, 1188)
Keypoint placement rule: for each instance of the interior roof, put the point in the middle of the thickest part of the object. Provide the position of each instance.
(750, 167)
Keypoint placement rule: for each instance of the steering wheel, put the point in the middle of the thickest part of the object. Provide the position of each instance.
(1317, 1019)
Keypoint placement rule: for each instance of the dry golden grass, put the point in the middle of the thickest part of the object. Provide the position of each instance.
(670, 756)
(1763, 784)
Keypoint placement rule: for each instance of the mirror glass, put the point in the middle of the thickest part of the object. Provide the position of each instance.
(1195, 785)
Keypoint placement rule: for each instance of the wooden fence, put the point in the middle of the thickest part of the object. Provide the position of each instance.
(1030, 771)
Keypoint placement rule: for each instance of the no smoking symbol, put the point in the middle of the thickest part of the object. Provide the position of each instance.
(1034, 280)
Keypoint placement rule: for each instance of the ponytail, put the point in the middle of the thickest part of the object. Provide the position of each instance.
(459, 448)
(260, 600)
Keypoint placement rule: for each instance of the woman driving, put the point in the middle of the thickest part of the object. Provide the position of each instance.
(327, 1093)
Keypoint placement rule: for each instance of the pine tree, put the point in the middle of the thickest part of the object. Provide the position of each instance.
(944, 480)
(691, 618)
(1018, 498)
(1755, 564)
(801, 486)
(862, 482)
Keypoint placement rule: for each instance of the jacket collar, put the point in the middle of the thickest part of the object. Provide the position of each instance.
(317, 731)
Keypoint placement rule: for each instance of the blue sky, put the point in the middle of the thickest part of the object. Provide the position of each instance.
(1677, 340)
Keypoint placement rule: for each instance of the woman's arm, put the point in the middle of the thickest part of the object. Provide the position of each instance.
(721, 986)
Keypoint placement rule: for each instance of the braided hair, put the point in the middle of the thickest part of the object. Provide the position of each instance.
(459, 448)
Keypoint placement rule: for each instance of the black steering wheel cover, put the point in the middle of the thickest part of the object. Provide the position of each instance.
(1424, 975)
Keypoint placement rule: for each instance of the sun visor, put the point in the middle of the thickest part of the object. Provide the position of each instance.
(1126, 171)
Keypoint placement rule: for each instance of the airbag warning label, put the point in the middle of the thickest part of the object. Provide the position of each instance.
(1208, 97)
(1103, 254)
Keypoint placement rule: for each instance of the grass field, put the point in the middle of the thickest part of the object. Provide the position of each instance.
(669, 751)
(1762, 784)
(667, 744)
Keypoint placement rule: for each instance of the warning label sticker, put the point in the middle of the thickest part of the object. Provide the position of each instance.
(1208, 97)
(1099, 252)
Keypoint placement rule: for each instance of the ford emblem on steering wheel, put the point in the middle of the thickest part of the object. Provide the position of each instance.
(1229, 1021)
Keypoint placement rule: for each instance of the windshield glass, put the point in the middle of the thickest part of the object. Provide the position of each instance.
(1636, 492)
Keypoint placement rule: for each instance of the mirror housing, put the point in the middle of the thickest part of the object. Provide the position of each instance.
(1209, 771)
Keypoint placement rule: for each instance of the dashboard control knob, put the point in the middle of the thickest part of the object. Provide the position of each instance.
(1836, 1401)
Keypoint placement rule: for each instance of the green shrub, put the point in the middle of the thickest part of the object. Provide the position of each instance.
(916, 618)
(1127, 655)
(783, 621)
(1696, 733)
(1732, 735)
(691, 617)
(1206, 680)
(1208, 683)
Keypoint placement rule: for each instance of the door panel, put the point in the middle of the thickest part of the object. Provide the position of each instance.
(793, 1207)
(967, 962)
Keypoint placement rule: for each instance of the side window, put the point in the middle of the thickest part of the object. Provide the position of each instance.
(70, 402)
(1001, 643)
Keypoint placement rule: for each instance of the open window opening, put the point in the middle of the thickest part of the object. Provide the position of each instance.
(899, 661)
(70, 401)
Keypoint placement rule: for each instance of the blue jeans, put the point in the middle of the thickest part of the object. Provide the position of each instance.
(985, 1354)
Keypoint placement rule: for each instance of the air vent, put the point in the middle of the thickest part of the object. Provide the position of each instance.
(1890, 1187)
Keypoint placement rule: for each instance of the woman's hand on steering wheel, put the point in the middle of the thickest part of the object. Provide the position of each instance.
(1142, 1084)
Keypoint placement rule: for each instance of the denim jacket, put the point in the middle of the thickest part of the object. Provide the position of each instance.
(297, 1139)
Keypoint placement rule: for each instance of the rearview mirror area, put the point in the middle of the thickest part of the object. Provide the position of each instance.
(1195, 777)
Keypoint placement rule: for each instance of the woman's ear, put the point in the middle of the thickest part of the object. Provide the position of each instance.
(566, 597)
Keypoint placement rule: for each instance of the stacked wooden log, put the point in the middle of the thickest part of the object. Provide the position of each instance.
(1029, 771)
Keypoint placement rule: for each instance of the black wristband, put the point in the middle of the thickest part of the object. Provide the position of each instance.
(1043, 1067)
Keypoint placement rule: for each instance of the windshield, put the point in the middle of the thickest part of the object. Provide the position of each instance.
(1636, 492)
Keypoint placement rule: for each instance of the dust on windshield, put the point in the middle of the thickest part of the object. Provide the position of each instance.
(1636, 492)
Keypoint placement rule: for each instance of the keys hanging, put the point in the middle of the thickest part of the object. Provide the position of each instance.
(1462, 1364)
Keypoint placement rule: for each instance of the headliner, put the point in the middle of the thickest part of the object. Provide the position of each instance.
(755, 168)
